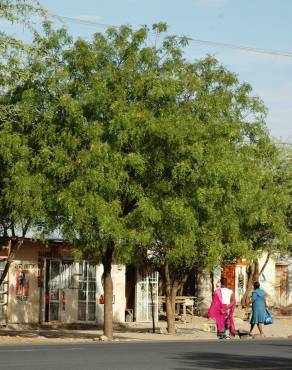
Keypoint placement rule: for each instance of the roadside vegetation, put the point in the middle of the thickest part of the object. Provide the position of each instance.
(135, 154)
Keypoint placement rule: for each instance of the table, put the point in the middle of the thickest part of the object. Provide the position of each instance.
(184, 302)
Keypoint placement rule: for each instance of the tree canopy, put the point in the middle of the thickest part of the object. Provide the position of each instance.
(127, 148)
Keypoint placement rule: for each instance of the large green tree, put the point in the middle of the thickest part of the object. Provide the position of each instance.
(210, 155)
(266, 216)
(23, 187)
(132, 149)
(176, 160)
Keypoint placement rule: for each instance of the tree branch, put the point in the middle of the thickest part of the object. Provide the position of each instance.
(13, 247)
(266, 262)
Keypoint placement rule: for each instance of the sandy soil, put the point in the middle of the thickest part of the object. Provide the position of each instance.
(281, 328)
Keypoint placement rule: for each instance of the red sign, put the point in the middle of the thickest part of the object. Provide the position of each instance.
(22, 283)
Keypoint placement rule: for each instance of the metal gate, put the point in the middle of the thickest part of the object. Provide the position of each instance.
(59, 275)
(52, 290)
(147, 297)
(3, 294)
(87, 292)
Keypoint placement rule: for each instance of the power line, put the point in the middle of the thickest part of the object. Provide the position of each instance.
(284, 143)
(244, 48)
(190, 39)
(251, 49)
(80, 21)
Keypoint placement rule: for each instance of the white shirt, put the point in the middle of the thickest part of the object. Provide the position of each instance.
(226, 295)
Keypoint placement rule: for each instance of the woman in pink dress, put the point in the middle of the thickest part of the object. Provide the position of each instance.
(222, 310)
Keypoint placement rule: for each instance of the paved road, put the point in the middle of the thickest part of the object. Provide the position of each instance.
(252, 354)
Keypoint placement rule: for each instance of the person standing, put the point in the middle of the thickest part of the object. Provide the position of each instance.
(259, 306)
(222, 310)
(240, 283)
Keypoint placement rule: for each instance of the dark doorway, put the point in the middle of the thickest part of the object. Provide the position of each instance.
(131, 279)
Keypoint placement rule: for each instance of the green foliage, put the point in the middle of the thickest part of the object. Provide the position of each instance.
(131, 145)
(285, 179)
(14, 52)
(25, 190)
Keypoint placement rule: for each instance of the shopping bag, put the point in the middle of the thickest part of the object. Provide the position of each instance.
(268, 318)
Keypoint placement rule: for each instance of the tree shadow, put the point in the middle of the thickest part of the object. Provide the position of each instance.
(211, 360)
(59, 334)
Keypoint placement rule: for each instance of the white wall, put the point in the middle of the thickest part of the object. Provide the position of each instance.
(119, 291)
(24, 311)
(30, 309)
(268, 278)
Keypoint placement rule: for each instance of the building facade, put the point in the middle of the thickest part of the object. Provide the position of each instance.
(275, 280)
(45, 284)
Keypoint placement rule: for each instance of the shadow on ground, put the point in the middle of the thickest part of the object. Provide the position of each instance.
(212, 360)
(58, 333)
(48, 334)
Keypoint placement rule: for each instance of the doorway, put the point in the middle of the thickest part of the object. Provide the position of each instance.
(281, 285)
(147, 297)
(87, 292)
(59, 275)
(52, 290)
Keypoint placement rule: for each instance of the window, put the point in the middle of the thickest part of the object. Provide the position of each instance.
(87, 292)
(54, 290)
(147, 297)
(3, 293)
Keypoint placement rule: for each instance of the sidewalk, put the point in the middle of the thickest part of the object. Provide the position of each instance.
(282, 328)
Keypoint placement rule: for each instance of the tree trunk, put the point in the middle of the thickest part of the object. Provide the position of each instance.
(266, 262)
(13, 247)
(170, 311)
(256, 274)
(252, 278)
(249, 285)
(108, 292)
(212, 283)
(170, 315)
(173, 293)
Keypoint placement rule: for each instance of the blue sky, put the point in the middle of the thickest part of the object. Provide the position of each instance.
(258, 23)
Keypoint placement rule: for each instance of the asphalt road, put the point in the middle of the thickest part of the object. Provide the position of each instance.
(251, 354)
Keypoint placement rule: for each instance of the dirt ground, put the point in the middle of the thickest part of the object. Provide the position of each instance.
(195, 330)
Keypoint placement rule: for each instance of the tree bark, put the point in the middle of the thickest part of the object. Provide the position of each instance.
(13, 247)
(250, 281)
(170, 311)
(170, 315)
(173, 293)
(256, 273)
(253, 277)
(172, 283)
(266, 262)
(108, 292)
(212, 283)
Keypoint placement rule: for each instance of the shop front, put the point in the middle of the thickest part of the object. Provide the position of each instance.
(46, 285)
